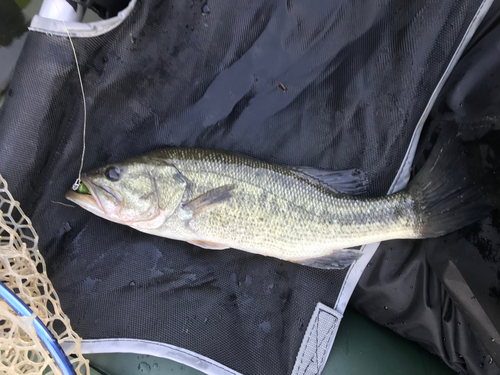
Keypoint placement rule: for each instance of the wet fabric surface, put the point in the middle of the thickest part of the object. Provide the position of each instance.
(331, 85)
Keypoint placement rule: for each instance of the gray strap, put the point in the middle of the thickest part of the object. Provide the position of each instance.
(317, 341)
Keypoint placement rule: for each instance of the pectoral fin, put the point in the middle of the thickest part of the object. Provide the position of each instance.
(208, 200)
(208, 245)
(337, 260)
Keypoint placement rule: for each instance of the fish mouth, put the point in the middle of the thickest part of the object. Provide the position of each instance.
(91, 201)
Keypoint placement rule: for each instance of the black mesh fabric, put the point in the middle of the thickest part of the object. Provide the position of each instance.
(355, 77)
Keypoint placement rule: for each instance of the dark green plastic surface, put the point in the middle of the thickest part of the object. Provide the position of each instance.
(364, 347)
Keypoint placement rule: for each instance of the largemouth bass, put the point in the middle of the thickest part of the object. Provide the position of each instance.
(218, 200)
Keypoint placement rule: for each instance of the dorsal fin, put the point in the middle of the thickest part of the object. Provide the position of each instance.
(348, 182)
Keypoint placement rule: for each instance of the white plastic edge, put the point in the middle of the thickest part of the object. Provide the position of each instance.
(403, 175)
(157, 349)
(61, 10)
(80, 29)
(353, 276)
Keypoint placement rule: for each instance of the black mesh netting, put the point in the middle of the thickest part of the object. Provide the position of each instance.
(328, 84)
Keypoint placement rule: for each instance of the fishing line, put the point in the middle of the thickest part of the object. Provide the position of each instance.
(79, 178)
(78, 181)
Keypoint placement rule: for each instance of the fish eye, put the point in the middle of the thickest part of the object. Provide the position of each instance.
(112, 173)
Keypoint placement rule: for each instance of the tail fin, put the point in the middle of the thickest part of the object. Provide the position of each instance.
(446, 198)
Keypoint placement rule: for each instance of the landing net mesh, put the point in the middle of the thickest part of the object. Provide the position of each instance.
(22, 270)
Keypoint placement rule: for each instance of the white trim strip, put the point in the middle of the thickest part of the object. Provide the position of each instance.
(80, 29)
(318, 341)
(353, 276)
(157, 349)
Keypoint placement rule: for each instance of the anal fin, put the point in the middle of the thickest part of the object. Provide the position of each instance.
(208, 245)
(338, 259)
